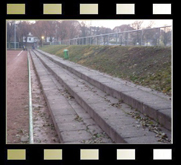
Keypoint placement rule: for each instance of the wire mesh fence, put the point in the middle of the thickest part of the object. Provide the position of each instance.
(160, 36)
(13, 45)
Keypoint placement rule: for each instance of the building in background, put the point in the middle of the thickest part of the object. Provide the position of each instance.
(30, 40)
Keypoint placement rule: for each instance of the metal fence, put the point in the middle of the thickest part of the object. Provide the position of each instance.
(13, 45)
(160, 36)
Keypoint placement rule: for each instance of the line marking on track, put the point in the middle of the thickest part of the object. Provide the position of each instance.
(19, 53)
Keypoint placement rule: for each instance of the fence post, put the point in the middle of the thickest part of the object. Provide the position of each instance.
(120, 39)
(141, 36)
(108, 39)
(159, 36)
(14, 35)
(116, 38)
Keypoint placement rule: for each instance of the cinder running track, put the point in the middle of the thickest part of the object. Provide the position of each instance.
(17, 96)
(18, 106)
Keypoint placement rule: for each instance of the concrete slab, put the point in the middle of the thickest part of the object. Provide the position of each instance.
(142, 140)
(164, 117)
(53, 94)
(72, 136)
(116, 123)
(117, 86)
(89, 121)
(71, 126)
(137, 99)
(65, 118)
(107, 110)
(62, 110)
(89, 96)
(47, 85)
(84, 115)
(78, 109)
(149, 99)
(94, 129)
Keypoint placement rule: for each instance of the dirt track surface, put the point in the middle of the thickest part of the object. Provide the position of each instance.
(16, 96)
(18, 104)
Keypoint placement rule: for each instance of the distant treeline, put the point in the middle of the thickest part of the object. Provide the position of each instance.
(62, 30)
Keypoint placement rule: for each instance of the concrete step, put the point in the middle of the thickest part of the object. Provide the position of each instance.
(72, 123)
(116, 122)
(149, 102)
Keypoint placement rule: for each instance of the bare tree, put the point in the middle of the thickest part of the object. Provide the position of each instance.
(123, 38)
(62, 30)
(23, 29)
(84, 31)
(37, 29)
(137, 25)
(73, 29)
(150, 25)
(49, 29)
(10, 31)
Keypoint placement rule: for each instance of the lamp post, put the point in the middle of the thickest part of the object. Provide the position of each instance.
(42, 37)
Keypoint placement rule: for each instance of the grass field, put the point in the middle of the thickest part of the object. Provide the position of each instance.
(147, 66)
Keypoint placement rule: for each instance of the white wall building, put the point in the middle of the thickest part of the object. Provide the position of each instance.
(30, 39)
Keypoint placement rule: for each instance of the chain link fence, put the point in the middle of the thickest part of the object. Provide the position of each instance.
(13, 45)
(160, 36)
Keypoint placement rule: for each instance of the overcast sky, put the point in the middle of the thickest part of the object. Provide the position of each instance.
(112, 23)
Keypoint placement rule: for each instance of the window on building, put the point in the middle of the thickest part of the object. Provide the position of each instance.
(29, 39)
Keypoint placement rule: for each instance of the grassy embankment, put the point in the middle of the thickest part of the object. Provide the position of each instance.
(147, 66)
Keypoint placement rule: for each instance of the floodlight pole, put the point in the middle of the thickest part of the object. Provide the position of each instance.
(15, 35)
